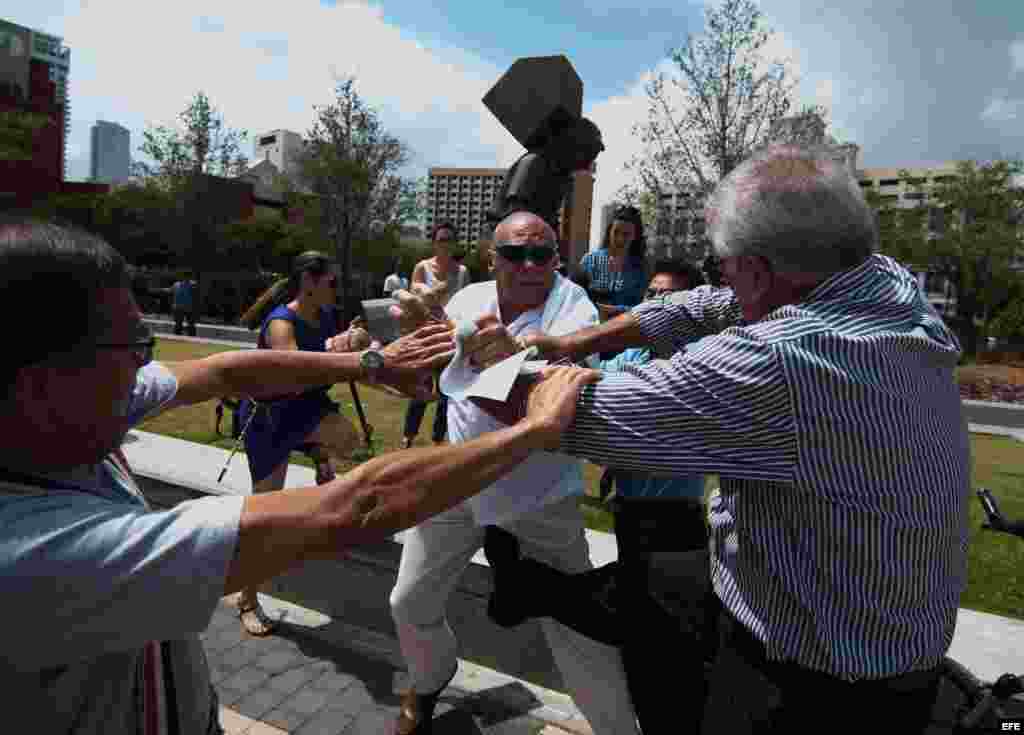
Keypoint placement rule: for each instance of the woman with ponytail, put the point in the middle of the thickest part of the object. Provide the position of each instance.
(296, 313)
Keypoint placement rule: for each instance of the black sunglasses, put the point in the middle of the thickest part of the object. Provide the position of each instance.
(539, 254)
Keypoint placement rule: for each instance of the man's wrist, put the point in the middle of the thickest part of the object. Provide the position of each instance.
(532, 435)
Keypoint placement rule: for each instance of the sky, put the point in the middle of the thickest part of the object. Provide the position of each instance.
(912, 82)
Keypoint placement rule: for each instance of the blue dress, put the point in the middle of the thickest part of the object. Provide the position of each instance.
(281, 426)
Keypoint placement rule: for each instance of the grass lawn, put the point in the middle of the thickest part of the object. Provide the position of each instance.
(996, 561)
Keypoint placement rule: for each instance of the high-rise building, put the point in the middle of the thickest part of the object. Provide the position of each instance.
(678, 229)
(905, 191)
(110, 156)
(280, 147)
(51, 52)
(34, 83)
(461, 196)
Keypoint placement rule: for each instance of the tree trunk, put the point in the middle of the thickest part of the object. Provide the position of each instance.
(966, 310)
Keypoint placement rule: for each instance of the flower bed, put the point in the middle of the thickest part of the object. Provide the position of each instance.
(992, 382)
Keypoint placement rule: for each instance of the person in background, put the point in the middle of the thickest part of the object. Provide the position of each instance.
(396, 281)
(297, 313)
(438, 278)
(617, 271)
(657, 520)
(183, 305)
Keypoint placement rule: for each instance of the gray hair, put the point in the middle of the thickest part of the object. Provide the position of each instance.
(796, 207)
(71, 266)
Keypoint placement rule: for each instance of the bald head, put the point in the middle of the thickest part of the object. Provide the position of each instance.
(522, 225)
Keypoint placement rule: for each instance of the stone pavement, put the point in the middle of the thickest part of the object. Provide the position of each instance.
(315, 677)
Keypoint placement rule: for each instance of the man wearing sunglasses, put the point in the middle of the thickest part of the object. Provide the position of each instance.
(537, 502)
(104, 596)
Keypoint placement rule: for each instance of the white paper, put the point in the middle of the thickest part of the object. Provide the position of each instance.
(459, 380)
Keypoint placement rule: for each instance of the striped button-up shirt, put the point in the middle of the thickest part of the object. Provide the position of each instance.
(839, 534)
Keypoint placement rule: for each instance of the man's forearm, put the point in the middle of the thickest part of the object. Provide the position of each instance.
(370, 503)
(268, 373)
(613, 335)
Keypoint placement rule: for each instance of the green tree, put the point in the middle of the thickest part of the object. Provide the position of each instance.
(202, 145)
(720, 103)
(182, 161)
(17, 131)
(968, 232)
(351, 165)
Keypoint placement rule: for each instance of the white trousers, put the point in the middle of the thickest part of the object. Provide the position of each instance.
(435, 554)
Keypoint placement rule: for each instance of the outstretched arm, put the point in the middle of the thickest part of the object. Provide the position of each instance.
(394, 492)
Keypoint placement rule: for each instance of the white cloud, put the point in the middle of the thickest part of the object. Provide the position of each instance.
(1003, 110)
(616, 117)
(429, 97)
(1017, 55)
(824, 93)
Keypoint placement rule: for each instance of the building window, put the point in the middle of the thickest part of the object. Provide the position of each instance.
(889, 182)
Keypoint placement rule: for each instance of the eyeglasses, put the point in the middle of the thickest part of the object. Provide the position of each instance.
(653, 293)
(539, 254)
(143, 349)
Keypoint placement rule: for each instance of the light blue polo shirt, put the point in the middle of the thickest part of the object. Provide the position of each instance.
(89, 576)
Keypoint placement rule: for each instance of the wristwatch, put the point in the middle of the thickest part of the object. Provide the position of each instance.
(371, 361)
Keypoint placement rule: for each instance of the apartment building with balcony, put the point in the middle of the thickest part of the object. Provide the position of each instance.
(461, 196)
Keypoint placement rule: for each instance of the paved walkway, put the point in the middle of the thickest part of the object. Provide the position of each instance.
(318, 676)
(325, 675)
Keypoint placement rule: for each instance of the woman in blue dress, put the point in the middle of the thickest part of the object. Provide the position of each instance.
(296, 313)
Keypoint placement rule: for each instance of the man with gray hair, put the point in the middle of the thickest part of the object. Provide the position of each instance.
(822, 393)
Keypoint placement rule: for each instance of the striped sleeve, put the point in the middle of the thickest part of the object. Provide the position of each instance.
(670, 323)
(722, 408)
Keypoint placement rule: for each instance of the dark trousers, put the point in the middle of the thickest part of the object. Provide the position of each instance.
(182, 315)
(662, 584)
(749, 694)
(649, 603)
(414, 417)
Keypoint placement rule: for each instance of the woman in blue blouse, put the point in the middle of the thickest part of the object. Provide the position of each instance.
(617, 272)
(297, 313)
